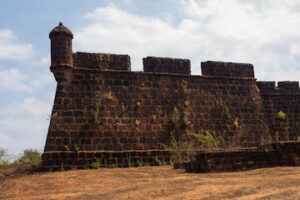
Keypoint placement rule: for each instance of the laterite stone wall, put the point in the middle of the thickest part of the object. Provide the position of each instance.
(103, 61)
(134, 110)
(280, 154)
(167, 65)
(135, 107)
(285, 98)
(103, 111)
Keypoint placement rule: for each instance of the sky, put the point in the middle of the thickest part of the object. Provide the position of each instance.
(263, 33)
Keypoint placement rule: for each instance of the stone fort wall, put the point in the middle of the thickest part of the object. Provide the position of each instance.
(102, 110)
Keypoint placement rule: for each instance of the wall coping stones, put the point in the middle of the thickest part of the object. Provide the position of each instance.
(227, 69)
(167, 65)
(269, 87)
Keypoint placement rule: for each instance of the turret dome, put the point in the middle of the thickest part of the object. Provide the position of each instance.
(61, 30)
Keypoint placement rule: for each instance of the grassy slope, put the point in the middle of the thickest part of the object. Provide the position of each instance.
(154, 183)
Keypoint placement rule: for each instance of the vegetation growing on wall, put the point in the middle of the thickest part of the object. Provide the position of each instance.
(280, 115)
(184, 143)
(98, 95)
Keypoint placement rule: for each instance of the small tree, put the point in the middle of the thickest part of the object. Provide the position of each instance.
(3, 158)
(2, 154)
(29, 161)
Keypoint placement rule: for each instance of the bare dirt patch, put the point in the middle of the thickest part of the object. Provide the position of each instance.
(154, 183)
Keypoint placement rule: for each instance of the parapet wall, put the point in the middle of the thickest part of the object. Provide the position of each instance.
(102, 61)
(227, 69)
(105, 61)
(167, 65)
(268, 87)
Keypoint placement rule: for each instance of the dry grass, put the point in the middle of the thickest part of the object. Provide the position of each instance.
(154, 183)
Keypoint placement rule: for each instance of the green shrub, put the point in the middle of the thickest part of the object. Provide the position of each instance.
(280, 115)
(111, 166)
(95, 165)
(179, 140)
(139, 163)
(207, 140)
(109, 96)
(76, 148)
(30, 161)
(95, 115)
(128, 159)
(98, 94)
(159, 162)
(236, 123)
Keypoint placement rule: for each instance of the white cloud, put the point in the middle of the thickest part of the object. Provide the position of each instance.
(11, 48)
(43, 62)
(6, 35)
(24, 125)
(264, 33)
(13, 79)
(116, 31)
(42, 79)
(41, 75)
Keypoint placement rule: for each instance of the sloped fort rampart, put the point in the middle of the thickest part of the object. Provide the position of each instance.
(102, 110)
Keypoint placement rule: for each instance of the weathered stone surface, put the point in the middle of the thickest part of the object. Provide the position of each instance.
(280, 154)
(227, 69)
(103, 61)
(167, 65)
(53, 161)
(101, 106)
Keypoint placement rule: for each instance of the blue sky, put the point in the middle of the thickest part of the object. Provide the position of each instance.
(264, 33)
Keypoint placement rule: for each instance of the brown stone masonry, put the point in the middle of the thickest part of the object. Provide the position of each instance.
(285, 98)
(104, 111)
(280, 154)
(103, 61)
(167, 65)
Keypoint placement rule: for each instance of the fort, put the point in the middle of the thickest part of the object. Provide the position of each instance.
(104, 111)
